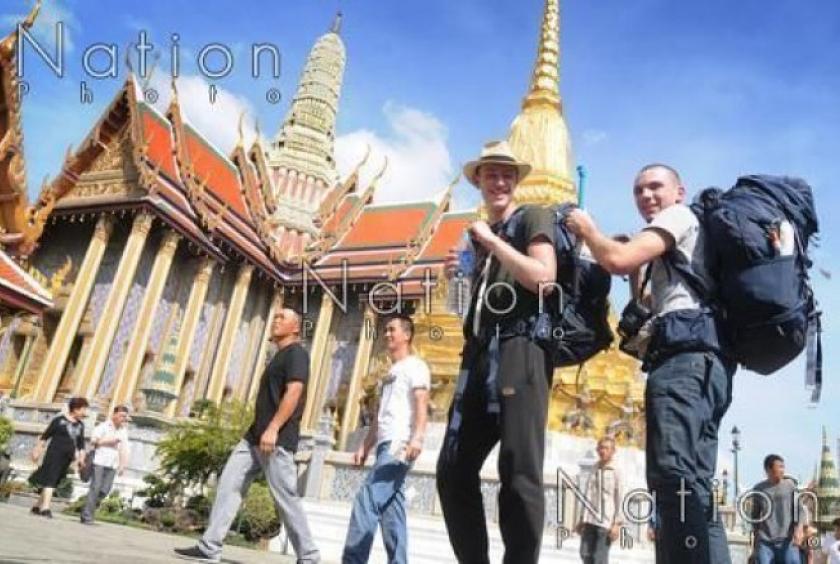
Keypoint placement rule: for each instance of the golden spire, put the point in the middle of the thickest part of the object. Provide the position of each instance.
(539, 134)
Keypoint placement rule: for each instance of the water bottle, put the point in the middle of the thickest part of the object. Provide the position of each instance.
(458, 299)
(787, 238)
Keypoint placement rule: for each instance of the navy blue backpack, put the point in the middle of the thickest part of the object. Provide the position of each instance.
(763, 296)
(579, 319)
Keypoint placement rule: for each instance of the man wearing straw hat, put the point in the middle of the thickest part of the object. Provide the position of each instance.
(505, 379)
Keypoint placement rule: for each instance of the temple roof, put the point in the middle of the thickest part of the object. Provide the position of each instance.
(20, 290)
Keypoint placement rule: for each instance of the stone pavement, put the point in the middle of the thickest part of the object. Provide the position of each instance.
(25, 538)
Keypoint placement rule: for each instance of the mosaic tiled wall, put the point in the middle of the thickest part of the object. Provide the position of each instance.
(105, 274)
(239, 367)
(125, 329)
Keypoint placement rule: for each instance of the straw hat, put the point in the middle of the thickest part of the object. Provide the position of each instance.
(496, 152)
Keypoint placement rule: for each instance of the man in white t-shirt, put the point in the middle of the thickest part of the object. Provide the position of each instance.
(397, 433)
(831, 544)
(110, 439)
(689, 386)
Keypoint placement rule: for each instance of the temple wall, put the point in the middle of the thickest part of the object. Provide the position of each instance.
(128, 320)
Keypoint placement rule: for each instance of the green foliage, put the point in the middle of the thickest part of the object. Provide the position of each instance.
(14, 486)
(194, 450)
(157, 493)
(258, 517)
(112, 504)
(201, 504)
(7, 429)
(64, 490)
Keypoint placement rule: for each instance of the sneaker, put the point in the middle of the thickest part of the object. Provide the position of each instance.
(195, 553)
(86, 521)
(35, 510)
(46, 513)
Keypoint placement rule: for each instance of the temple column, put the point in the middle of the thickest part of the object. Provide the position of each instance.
(53, 365)
(259, 366)
(360, 369)
(314, 389)
(218, 376)
(91, 369)
(133, 358)
(192, 314)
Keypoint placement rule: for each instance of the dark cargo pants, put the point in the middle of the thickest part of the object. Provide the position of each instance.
(685, 400)
(523, 384)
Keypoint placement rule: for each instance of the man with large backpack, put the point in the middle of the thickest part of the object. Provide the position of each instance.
(689, 385)
(504, 386)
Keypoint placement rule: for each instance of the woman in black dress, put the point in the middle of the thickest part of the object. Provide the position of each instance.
(66, 434)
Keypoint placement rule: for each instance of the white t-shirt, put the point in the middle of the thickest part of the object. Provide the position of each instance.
(831, 548)
(109, 456)
(396, 399)
(669, 290)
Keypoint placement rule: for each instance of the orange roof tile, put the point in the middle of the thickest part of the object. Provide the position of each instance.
(393, 225)
(23, 290)
(446, 235)
(221, 175)
(158, 134)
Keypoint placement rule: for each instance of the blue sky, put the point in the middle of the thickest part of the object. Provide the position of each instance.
(715, 88)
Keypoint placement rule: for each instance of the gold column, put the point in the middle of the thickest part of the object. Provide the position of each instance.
(259, 366)
(192, 314)
(133, 358)
(319, 344)
(53, 365)
(360, 368)
(234, 316)
(91, 369)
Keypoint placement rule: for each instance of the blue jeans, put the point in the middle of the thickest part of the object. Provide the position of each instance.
(685, 400)
(783, 552)
(380, 502)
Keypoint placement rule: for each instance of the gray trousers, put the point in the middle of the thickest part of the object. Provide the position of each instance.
(594, 544)
(100, 486)
(241, 468)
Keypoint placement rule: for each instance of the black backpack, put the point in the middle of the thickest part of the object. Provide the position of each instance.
(579, 318)
(763, 298)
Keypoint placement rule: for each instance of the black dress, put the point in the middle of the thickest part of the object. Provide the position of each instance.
(67, 437)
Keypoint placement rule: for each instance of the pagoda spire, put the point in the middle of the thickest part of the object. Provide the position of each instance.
(539, 134)
(545, 80)
(336, 26)
(828, 488)
(305, 142)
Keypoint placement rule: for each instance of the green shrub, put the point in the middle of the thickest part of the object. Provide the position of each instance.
(14, 486)
(194, 450)
(7, 429)
(157, 493)
(258, 517)
(64, 490)
(167, 519)
(112, 504)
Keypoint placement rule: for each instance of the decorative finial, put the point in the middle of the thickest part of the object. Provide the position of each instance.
(545, 82)
(30, 19)
(174, 87)
(240, 142)
(336, 25)
(381, 172)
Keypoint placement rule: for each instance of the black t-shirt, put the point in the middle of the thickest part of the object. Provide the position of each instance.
(498, 298)
(288, 365)
(66, 434)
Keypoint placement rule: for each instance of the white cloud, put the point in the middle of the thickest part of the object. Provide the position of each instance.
(44, 29)
(217, 121)
(419, 162)
(593, 136)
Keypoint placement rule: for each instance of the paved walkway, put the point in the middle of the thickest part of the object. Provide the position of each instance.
(25, 538)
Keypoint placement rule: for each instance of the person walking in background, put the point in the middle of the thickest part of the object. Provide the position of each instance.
(66, 436)
(110, 441)
(778, 525)
(600, 529)
(397, 434)
(269, 445)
